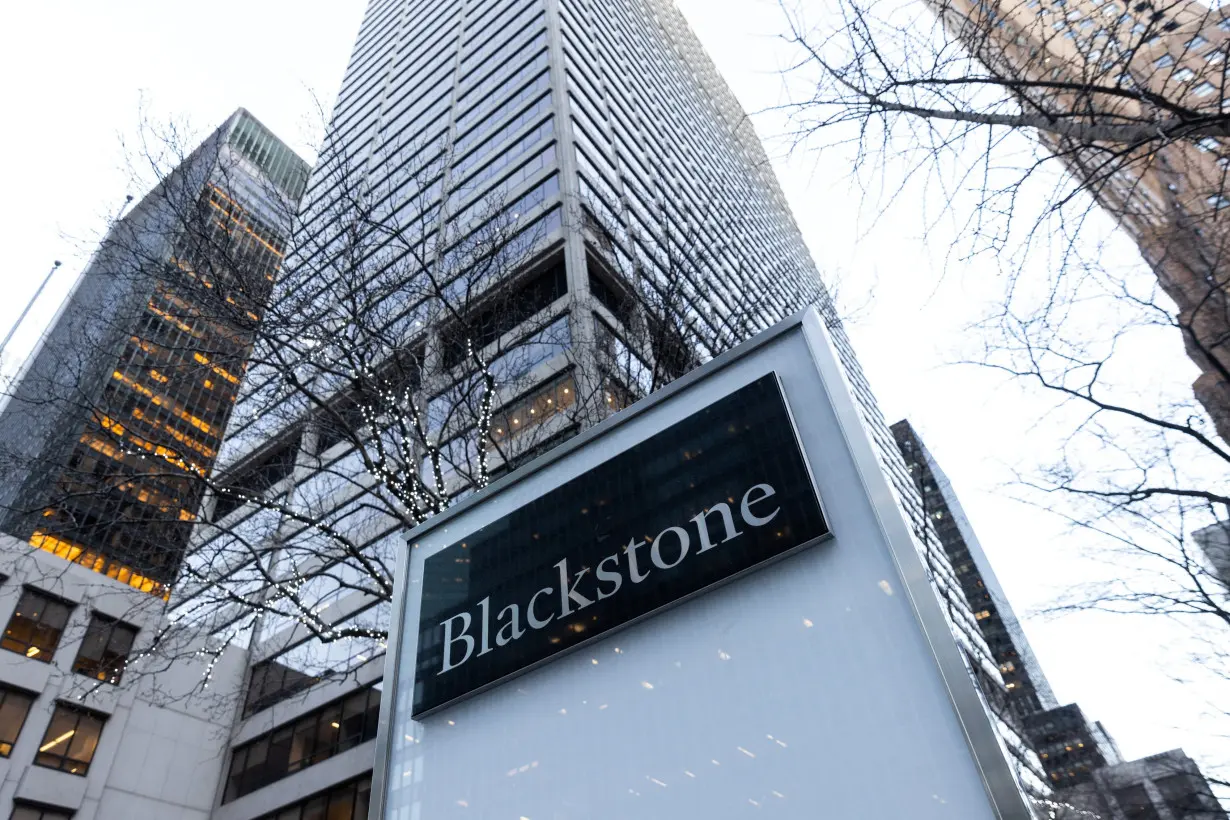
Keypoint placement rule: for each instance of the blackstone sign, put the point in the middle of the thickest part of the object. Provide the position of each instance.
(710, 497)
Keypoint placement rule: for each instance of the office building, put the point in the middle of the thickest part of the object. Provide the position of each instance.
(650, 235)
(1082, 762)
(83, 734)
(1026, 685)
(1214, 541)
(1166, 786)
(1070, 746)
(123, 405)
(1171, 201)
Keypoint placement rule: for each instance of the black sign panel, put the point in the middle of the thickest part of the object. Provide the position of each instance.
(718, 493)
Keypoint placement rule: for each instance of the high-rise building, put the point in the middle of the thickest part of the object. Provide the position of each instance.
(1027, 688)
(1118, 63)
(1166, 786)
(1214, 541)
(123, 406)
(649, 234)
(1070, 746)
(1082, 762)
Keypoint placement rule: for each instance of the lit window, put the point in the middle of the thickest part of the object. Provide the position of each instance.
(983, 614)
(312, 738)
(71, 740)
(14, 706)
(36, 625)
(105, 649)
(349, 801)
(29, 811)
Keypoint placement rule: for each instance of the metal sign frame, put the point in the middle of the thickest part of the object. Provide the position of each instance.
(986, 749)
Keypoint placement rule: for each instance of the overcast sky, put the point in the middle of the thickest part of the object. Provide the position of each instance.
(77, 73)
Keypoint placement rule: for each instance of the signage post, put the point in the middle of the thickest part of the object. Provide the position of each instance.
(708, 605)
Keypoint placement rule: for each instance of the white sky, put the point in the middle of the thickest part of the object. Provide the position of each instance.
(77, 72)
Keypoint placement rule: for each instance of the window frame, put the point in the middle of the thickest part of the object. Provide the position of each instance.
(99, 623)
(42, 654)
(303, 733)
(23, 810)
(62, 761)
(5, 693)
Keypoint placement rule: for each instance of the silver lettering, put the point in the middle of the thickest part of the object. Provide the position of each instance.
(655, 552)
(449, 640)
(702, 525)
(529, 611)
(746, 507)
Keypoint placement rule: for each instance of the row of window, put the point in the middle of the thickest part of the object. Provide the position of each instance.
(349, 801)
(71, 737)
(32, 812)
(38, 623)
(316, 736)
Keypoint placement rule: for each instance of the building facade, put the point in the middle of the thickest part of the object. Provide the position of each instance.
(121, 410)
(1214, 541)
(1026, 684)
(86, 730)
(1119, 63)
(1166, 786)
(646, 234)
(1082, 762)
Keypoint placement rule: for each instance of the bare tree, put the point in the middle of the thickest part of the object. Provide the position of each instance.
(1126, 101)
(401, 346)
(1025, 123)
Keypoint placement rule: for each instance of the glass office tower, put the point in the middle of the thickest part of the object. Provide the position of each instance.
(123, 406)
(650, 236)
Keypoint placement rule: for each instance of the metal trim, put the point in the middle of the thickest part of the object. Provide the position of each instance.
(990, 757)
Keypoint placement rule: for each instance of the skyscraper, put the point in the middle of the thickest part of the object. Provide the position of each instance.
(123, 406)
(563, 197)
(1026, 684)
(1117, 63)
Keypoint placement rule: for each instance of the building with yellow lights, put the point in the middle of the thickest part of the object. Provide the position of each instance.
(122, 408)
(1123, 64)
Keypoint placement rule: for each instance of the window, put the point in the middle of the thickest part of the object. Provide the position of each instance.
(1135, 803)
(104, 652)
(28, 811)
(345, 802)
(316, 736)
(271, 682)
(1197, 42)
(1184, 75)
(36, 625)
(14, 706)
(1187, 795)
(70, 741)
(1163, 61)
(1217, 202)
(1204, 89)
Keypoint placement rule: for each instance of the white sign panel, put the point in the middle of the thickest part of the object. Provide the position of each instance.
(770, 667)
